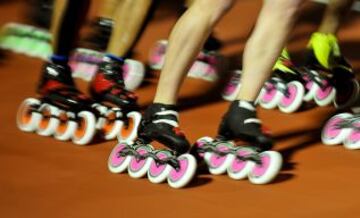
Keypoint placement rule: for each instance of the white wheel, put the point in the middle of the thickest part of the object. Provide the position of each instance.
(352, 142)
(310, 86)
(27, 119)
(239, 169)
(158, 173)
(292, 102)
(218, 164)
(324, 97)
(129, 133)
(134, 74)
(157, 55)
(138, 168)
(272, 96)
(116, 162)
(85, 128)
(331, 133)
(66, 127)
(112, 125)
(179, 178)
(49, 121)
(266, 171)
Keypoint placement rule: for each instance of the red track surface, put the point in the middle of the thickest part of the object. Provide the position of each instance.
(42, 177)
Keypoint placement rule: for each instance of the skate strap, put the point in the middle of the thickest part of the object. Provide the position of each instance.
(170, 121)
(252, 120)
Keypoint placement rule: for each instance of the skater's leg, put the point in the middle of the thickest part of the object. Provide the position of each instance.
(335, 13)
(66, 22)
(108, 8)
(240, 122)
(129, 19)
(185, 42)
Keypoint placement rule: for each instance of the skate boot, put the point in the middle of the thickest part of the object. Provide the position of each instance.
(25, 39)
(241, 149)
(61, 110)
(107, 88)
(85, 63)
(206, 66)
(160, 123)
(332, 76)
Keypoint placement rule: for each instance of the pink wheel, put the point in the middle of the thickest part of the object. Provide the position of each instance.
(267, 170)
(310, 86)
(272, 96)
(233, 87)
(332, 133)
(352, 142)
(138, 167)
(324, 96)
(218, 164)
(292, 101)
(159, 172)
(157, 55)
(116, 162)
(179, 178)
(240, 169)
(201, 142)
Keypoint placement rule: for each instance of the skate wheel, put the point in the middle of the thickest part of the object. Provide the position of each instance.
(232, 89)
(352, 142)
(157, 55)
(293, 101)
(332, 134)
(271, 97)
(218, 164)
(240, 169)
(326, 95)
(116, 162)
(201, 142)
(129, 133)
(347, 97)
(134, 73)
(159, 172)
(27, 119)
(138, 167)
(271, 163)
(85, 128)
(49, 120)
(179, 178)
(111, 125)
(66, 126)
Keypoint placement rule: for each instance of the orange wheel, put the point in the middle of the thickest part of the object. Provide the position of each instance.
(26, 118)
(85, 130)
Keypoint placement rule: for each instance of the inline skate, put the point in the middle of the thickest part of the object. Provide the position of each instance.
(241, 148)
(140, 158)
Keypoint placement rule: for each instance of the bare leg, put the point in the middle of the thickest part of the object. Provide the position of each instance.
(335, 13)
(185, 42)
(265, 45)
(129, 19)
(108, 8)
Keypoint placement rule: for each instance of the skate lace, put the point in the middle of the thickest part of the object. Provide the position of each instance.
(212, 147)
(130, 150)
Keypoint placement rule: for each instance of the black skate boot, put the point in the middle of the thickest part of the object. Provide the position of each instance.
(160, 123)
(61, 110)
(241, 123)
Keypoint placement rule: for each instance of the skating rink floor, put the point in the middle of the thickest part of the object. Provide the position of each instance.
(42, 177)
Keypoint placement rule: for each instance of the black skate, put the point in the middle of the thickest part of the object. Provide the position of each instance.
(241, 148)
(160, 124)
